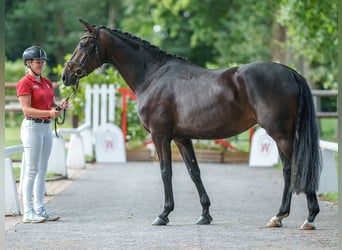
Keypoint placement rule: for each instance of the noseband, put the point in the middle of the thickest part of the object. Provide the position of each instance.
(79, 70)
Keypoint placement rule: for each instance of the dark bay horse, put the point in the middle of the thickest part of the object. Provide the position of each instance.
(180, 101)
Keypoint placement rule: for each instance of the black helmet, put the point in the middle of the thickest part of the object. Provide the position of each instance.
(34, 52)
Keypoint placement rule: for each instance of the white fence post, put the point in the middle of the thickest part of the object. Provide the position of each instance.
(12, 206)
(111, 103)
(87, 106)
(110, 146)
(57, 160)
(103, 104)
(328, 182)
(87, 138)
(264, 152)
(95, 106)
(76, 156)
(22, 172)
(11, 194)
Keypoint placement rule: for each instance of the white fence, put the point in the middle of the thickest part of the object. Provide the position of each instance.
(329, 181)
(99, 105)
(100, 115)
(12, 206)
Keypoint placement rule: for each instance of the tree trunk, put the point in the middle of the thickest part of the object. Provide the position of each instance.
(112, 10)
(74, 120)
(60, 29)
(279, 52)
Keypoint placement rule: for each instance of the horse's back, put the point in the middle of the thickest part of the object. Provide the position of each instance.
(268, 76)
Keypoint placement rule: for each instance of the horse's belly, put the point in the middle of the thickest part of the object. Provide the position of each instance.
(208, 127)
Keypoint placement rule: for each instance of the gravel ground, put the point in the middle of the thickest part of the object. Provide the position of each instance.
(113, 206)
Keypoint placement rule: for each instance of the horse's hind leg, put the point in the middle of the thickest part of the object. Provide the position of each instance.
(284, 210)
(313, 211)
(186, 149)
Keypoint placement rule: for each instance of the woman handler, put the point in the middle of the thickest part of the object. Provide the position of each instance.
(36, 97)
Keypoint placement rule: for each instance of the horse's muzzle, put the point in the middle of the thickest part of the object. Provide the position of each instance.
(68, 79)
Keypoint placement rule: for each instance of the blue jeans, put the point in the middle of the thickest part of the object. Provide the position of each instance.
(37, 142)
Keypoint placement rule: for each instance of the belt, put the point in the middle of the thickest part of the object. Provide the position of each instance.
(37, 120)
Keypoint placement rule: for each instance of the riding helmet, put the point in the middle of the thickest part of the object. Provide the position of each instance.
(34, 52)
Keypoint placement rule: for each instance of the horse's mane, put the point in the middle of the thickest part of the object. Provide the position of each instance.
(143, 42)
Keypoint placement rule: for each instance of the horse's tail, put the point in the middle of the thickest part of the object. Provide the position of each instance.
(306, 156)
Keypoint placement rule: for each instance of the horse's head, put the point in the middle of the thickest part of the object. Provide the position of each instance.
(85, 58)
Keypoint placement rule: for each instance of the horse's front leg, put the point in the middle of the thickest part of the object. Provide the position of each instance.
(284, 210)
(163, 149)
(188, 154)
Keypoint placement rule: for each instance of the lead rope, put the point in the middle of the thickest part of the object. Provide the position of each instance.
(61, 119)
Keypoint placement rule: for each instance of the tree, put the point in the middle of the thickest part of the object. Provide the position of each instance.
(312, 32)
(223, 33)
(52, 24)
(208, 32)
(219, 32)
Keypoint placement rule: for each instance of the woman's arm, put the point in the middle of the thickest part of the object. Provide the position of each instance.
(29, 111)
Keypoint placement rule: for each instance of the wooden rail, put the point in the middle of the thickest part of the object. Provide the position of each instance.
(324, 93)
(11, 101)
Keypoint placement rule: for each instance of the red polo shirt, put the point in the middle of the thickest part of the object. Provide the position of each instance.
(42, 95)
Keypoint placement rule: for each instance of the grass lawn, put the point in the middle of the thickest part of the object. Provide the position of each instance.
(328, 129)
(12, 136)
(16, 171)
(333, 197)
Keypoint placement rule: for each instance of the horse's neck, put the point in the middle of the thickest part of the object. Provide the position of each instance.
(134, 65)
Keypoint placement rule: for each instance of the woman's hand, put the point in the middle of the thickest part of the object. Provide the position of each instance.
(64, 104)
(54, 113)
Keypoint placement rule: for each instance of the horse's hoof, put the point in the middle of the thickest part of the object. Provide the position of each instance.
(308, 225)
(274, 222)
(160, 222)
(204, 220)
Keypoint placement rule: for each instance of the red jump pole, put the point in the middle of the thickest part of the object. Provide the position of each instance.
(125, 92)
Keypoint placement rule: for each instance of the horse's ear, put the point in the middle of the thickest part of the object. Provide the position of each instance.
(87, 26)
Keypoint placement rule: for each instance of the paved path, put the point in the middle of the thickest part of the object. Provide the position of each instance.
(113, 206)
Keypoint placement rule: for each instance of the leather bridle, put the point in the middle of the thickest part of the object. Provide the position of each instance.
(80, 71)
(79, 68)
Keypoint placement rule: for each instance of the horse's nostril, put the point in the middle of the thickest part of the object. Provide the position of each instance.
(63, 77)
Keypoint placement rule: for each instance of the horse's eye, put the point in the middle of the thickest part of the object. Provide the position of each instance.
(82, 45)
